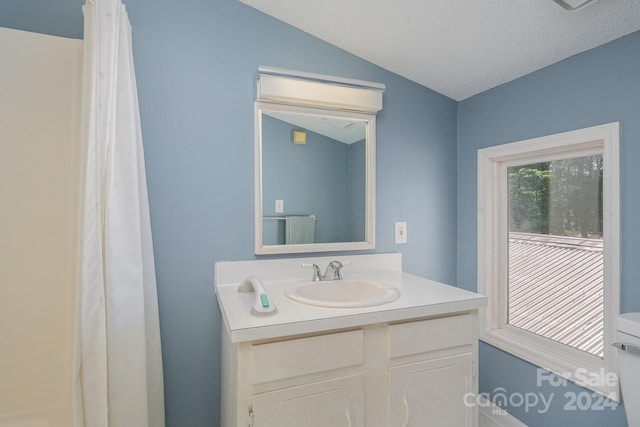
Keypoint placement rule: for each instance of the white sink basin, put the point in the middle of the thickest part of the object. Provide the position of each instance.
(345, 293)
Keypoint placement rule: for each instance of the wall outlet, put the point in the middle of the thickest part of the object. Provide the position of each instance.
(279, 206)
(401, 232)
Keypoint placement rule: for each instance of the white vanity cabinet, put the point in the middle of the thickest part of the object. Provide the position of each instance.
(335, 402)
(313, 381)
(408, 373)
(432, 367)
(406, 363)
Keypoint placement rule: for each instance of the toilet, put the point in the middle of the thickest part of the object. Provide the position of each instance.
(629, 359)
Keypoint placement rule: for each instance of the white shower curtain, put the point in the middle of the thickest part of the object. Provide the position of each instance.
(118, 363)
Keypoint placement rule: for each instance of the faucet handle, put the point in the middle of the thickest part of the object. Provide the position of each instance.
(339, 264)
(316, 271)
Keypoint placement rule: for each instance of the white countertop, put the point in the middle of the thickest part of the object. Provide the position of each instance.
(419, 297)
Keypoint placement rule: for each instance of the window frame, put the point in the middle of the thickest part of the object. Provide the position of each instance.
(493, 252)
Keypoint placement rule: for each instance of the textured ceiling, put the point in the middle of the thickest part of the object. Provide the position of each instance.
(458, 47)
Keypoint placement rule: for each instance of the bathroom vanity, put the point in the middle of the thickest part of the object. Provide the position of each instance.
(408, 362)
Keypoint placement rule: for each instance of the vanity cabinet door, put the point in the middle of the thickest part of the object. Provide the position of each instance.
(431, 393)
(332, 403)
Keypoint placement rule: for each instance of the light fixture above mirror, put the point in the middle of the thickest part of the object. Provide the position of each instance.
(314, 162)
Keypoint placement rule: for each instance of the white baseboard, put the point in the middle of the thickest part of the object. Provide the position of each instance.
(490, 415)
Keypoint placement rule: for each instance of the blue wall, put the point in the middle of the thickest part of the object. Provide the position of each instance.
(57, 18)
(196, 63)
(596, 87)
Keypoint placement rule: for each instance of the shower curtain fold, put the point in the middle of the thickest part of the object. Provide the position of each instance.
(118, 364)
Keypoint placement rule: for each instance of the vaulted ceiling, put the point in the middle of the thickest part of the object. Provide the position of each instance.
(459, 47)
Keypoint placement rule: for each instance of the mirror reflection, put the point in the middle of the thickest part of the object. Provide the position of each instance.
(314, 177)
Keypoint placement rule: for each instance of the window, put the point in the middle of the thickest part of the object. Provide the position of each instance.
(548, 251)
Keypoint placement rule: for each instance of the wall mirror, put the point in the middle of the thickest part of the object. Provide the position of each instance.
(315, 162)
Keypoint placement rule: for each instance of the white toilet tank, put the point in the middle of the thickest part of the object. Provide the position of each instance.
(629, 360)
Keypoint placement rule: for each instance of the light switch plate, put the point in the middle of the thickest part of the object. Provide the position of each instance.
(279, 206)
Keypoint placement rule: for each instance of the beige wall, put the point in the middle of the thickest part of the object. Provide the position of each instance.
(39, 171)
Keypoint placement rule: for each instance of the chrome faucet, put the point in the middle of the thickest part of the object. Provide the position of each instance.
(331, 273)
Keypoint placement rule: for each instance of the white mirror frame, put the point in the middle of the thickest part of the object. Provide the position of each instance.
(347, 98)
(369, 242)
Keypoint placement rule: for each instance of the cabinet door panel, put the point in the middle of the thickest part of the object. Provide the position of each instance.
(331, 403)
(431, 393)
